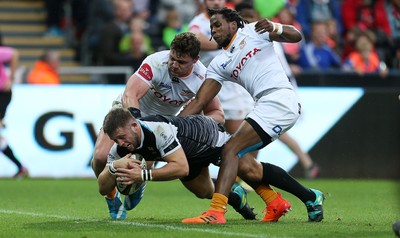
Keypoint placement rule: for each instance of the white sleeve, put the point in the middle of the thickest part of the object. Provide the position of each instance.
(166, 140)
(147, 71)
(113, 155)
(213, 72)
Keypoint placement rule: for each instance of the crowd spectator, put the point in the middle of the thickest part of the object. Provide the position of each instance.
(173, 26)
(369, 15)
(45, 70)
(349, 42)
(57, 20)
(128, 44)
(111, 37)
(141, 8)
(393, 14)
(99, 15)
(310, 11)
(292, 50)
(364, 59)
(316, 54)
(186, 9)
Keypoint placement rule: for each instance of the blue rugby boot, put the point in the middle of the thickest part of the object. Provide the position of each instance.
(244, 209)
(131, 201)
(115, 207)
(314, 209)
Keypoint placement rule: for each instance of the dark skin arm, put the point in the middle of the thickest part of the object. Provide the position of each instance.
(289, 34)
(208, 90)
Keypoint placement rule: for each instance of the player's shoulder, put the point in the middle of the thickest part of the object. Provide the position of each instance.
(164, 132)
(158, 58)
(248, 28)
(153, 66)
(199, 70)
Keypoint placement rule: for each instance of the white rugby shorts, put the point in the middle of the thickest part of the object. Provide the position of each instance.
(276, 112)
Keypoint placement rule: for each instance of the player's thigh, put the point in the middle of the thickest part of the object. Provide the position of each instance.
(275, 113)
(245, 138)
(202, 185)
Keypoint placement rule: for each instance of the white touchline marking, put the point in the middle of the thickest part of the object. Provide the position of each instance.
(166, 227)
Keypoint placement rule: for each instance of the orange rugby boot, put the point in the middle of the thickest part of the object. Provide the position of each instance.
(275, 209)
(209, 217)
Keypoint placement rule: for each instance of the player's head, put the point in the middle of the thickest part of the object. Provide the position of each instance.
(185, 49)
(224, 24)
(247, 12)
(122, 128)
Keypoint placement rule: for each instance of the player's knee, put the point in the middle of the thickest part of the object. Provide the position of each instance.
(204, 194)
(103, 190)
(228, 151)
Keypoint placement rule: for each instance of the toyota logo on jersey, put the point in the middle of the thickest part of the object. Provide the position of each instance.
(242, 63)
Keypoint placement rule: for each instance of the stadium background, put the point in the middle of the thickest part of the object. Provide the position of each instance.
(350, 124)
(351, 132)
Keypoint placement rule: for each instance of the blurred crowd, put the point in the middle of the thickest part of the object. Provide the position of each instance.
(361, 36)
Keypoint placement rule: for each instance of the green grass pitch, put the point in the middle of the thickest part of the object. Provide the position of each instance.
(73, 208)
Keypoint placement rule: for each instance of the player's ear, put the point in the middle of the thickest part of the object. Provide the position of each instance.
(196, 59)
(135, 125)
(234, 24)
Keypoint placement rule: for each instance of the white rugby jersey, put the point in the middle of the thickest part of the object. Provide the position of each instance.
(167, 93)
(201, 23)
(249, 60)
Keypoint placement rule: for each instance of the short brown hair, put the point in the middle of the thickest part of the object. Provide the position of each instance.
(116, 118)
(186, 43)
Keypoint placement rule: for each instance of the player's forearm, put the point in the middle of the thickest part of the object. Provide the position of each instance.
(170, 171)
(129, 100)
(290, 34)
(214, 110)
(217, 115)
(194, 107)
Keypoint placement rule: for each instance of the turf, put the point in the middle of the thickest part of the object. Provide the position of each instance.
(73, 208)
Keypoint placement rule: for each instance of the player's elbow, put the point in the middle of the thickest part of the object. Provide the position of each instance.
(296, 36)
(184, 170)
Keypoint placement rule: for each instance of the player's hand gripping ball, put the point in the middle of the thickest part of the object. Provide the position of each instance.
(131, 188)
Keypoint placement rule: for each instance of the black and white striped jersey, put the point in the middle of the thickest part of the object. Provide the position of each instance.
(200, 137)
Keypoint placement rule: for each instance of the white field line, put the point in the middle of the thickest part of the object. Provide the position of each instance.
(165, 227)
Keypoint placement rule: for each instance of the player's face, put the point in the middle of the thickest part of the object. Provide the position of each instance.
(222, 31)
(127, 137)
(180, 64)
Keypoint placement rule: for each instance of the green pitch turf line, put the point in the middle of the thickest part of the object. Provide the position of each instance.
(138, 224)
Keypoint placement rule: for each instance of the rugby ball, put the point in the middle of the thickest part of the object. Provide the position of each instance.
(131, 188)
(128, 189)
